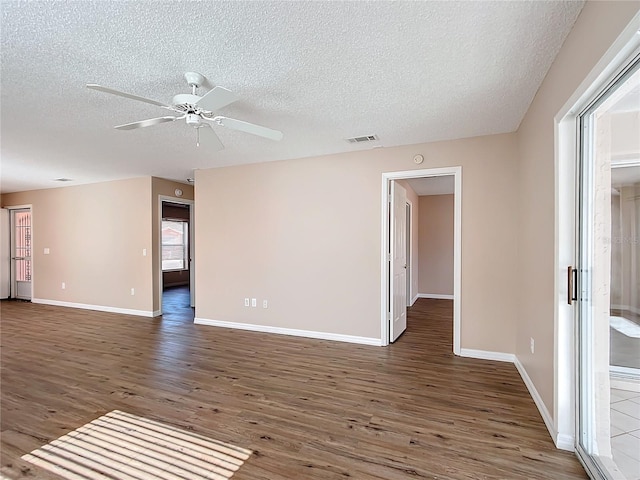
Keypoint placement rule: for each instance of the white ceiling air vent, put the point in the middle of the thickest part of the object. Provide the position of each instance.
(365, 138)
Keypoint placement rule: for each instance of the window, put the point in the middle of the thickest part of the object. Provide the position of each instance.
(175, 254)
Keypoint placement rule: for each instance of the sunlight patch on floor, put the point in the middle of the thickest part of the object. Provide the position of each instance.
(124, 446)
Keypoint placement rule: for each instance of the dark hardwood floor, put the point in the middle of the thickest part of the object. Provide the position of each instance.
(176, 304)
(308, 409)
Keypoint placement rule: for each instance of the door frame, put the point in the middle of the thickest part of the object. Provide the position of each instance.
(385, 285)
(192, 250)
(12, 270)
(567, 148)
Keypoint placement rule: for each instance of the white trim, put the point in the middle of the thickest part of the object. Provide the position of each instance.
(457, 246)
(156, 313)
(566, 140)
(414, 299)
(437, 296)
(289, 331)
(487, 355)
(563, 441)
(99, 308)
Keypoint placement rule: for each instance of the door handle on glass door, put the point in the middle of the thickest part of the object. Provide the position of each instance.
(572, 283)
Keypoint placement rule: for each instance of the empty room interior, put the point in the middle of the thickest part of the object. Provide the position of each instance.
(375, 240)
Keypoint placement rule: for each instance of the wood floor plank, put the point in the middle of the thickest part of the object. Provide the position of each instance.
(308, 409)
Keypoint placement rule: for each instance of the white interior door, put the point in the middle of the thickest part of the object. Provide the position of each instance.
(398, 267)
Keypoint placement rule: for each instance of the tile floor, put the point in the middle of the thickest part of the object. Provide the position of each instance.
(625, 432)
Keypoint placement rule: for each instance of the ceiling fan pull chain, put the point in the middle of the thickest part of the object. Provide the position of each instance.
(197, 137)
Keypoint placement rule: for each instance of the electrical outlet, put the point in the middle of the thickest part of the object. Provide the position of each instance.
(265, 304)
(533, 345)
(47, 251)
(254, 302)
(64, 285)
(246, 302)
(133, 291)
(144, 252)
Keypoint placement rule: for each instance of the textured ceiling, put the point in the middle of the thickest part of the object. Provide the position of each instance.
(320, 72)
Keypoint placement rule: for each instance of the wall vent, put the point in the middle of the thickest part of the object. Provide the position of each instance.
(365, 138)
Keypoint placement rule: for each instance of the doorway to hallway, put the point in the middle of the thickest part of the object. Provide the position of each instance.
(176, 257)
(397, 292)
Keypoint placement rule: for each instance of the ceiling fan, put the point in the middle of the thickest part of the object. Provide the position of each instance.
(197, 111)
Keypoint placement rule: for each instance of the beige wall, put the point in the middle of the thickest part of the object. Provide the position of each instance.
(96, 234)
(166, 188)
(306, 235)
(436, 244)
(596, 29)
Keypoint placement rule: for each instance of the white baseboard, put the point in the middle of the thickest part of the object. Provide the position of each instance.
(562, 441)
(437, 296)
(413, 300)
(565, 442)
(289, 331)
(486, 355)
(157, 313)
(99, 308)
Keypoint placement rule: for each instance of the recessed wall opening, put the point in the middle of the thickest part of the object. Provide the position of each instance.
(176, 260)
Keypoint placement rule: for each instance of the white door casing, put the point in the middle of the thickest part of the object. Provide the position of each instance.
(398, 267)
(5, 254)
(192, 250)
(21, 252)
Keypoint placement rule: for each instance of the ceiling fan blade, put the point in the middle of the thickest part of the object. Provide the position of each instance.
(100, 88)
(217, 98)
(146, 123)
(248, 128)
(208, 138)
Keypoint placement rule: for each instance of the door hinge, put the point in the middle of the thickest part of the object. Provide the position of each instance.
(388, 316)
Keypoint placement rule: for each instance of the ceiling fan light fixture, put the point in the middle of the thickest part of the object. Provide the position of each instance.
(193, 119)
(194, 109)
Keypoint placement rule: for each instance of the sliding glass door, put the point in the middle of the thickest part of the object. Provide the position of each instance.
(608, 281)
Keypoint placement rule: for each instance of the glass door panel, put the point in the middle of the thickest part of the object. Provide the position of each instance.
(608, 313)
